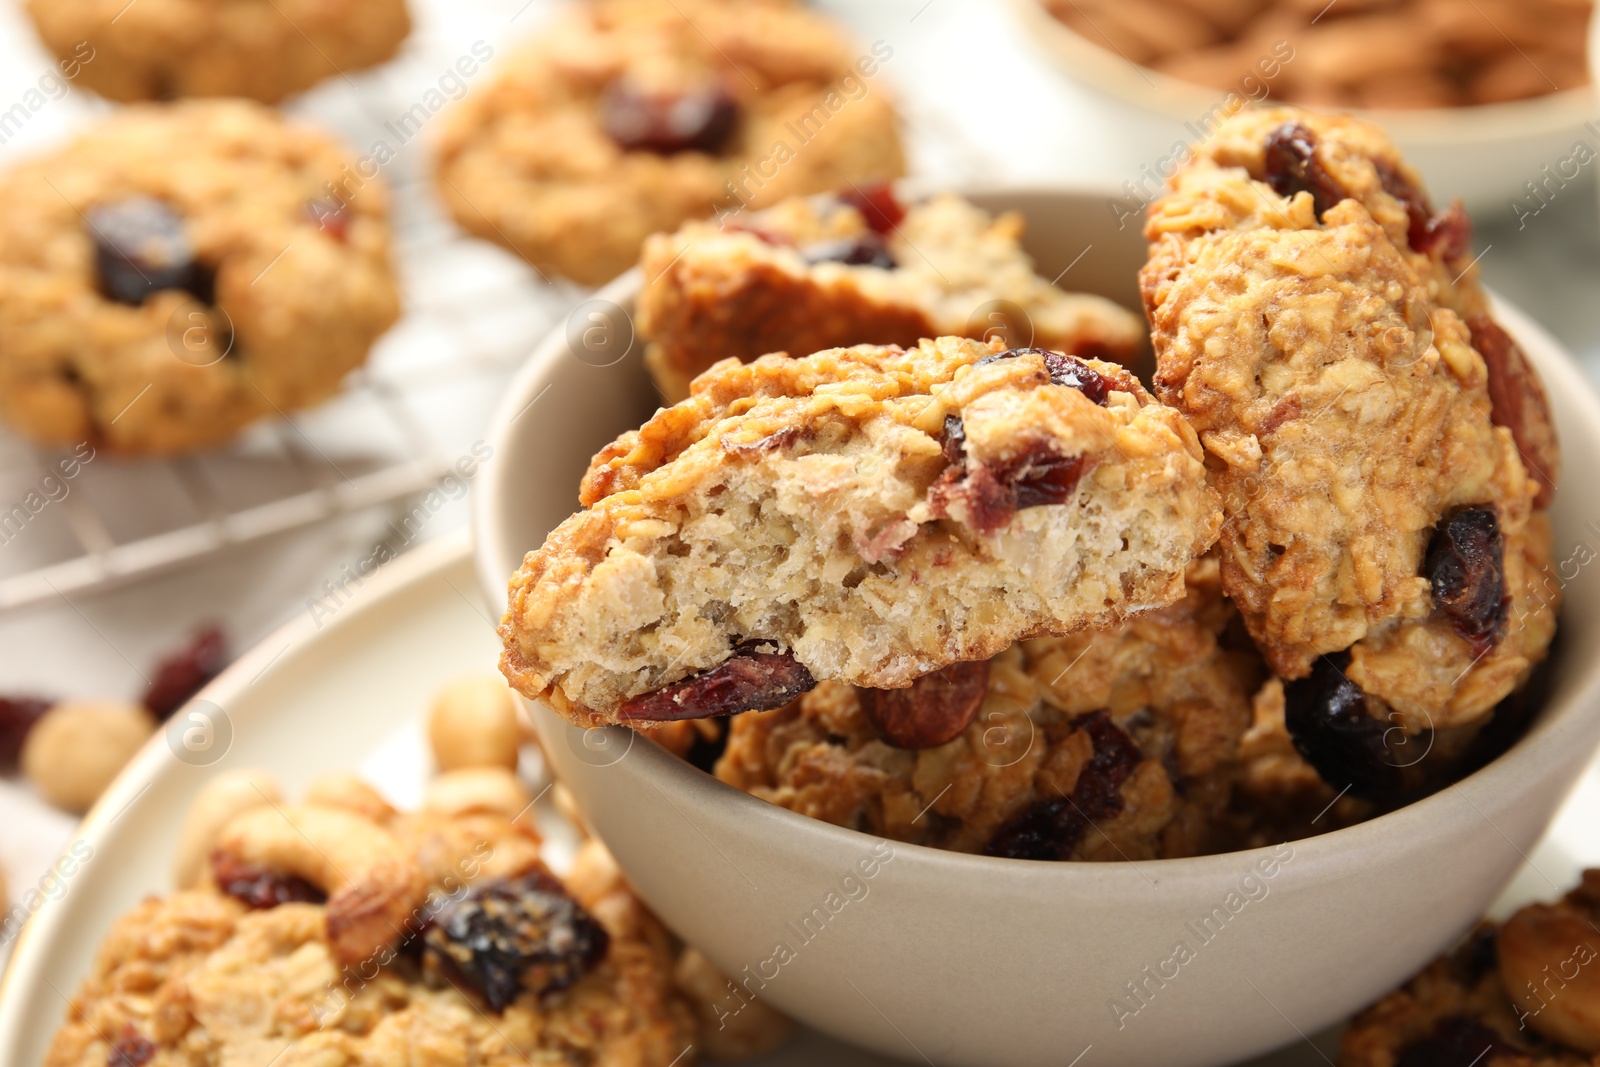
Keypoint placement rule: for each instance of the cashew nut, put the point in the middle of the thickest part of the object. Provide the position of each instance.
(494, 790)
(473, 723)
(372, 883)
(218, 801)
(341, 789)
(1550, 964)
(76, 749)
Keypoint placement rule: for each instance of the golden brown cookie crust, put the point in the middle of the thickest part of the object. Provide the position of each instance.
(260, 49)
(527, 163)
(305, 304)
(742, 287)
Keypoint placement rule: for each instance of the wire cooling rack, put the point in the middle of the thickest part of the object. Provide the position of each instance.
(402, 425)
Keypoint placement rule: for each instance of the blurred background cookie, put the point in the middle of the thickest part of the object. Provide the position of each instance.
(627, 117)
(182, 270)
(262, 49)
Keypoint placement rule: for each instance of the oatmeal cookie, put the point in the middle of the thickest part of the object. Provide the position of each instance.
(1384, 541)
(1116, 743)
(858, 268)
(866, 515)
(628, 117)
(261, 49)
(497, 961)
(1525, 994)
(176, 273)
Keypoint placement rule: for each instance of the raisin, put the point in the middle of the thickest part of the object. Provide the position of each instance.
(1465, 566)
(140, 248)
(868, 250)
(1050, 829)
(17, 717)
(507, 935)
(1064, 370)
(1328, 718)
(1517, 402)
(130, 1049)
(752, 679)
(260, 887)
(1292, 167)
(954, 445)
(668, 123)
(933, 710)
(1449, 232)
(185, 672)
(1456, 1041)
(878, 205)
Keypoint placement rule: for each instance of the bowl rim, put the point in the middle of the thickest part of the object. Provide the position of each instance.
(1495, 785)
(1089, 64)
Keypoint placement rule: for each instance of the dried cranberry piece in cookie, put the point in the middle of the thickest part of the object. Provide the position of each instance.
(140, 248)
(1465, 566)
(260, 887)
(667, 123)
(1517, 402)
(1050, 829)
(331, 216)
(507, 935)
(130, 1049)
(1458, 1041)
(1328, 719)
(1064, 370)
(184, 673)
(994, 494)
(757, 677)
(1449, 232)
(932, 711)
(1292, 167)
(18, 715)
(878, 205)
(868, 250)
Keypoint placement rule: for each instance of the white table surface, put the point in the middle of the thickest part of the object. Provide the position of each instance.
(982, 104)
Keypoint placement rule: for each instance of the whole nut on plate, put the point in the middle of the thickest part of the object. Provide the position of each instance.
(492, 790)
(342, 789)
(473, 723)
(218, 801)
(1550, 964)
(76, 749)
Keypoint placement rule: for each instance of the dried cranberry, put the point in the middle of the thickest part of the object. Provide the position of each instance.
(140, 248)
(1329, 720)
(933, 710)
(954, 445)
(878, 205)
(1064, 370)
(1449, 232)
(1456, 1041)
(507, 935)
(332, 218)
(130, 1049)
(17, 717)
(1043, 476)
(260, 887)
(1517, 402)
(1465, 566)
(185, 672)
(1050, 829)
(1292, 167)
(755, 678)
(993, 494)
(868, 250)
(667, 123)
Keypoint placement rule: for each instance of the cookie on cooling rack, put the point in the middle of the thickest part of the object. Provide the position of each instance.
(181, 270)
(856, 268)
(627, 117)
(260, 49)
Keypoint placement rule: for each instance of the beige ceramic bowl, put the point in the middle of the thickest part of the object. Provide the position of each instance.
(957, 959)
(1482, 154)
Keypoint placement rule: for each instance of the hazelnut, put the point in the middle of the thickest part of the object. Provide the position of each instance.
(473, 723)
(77, 748)
(219, 800)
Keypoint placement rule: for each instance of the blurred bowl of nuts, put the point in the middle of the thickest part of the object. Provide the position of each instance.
(965, 958)
(1482, 95)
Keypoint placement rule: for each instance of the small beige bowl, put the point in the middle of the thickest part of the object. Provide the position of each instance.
(1482, 154)
(957, 959)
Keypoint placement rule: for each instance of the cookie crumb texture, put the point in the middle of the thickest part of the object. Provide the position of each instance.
(260, 49)
(797, 278)
(1322, 328)
(1111, 744)
(624, 118)
(868, 515)
(281, 295)
(509, 969)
